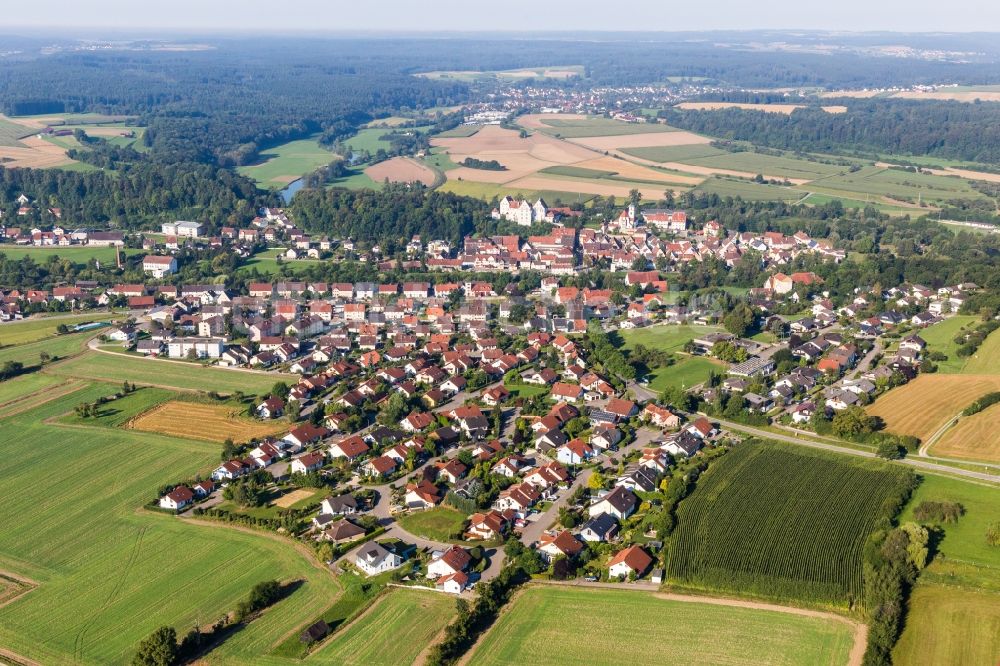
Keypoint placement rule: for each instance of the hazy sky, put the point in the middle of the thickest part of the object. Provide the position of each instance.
(507, 15)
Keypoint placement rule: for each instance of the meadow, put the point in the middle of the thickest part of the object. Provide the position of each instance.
(675, 153)
(284, 163)
(11, 132)
(953, 613)
(109, 574)
(895, 184)
(772, 165)
(687, 371)
(438, 524)
(549, 625)
(665, 337)
(927, 403)
(60, 346)
(395, 630)
(117, 413)
(747, 190)
(986, 360)
(34, 329)
(179, 375)
(940, 337)
(738, 532)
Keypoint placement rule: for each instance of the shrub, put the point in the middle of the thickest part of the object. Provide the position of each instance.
(938, 512)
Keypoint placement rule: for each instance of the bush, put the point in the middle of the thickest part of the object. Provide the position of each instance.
(993, 533)
(157, 649)
(889, 451)
(938, 512)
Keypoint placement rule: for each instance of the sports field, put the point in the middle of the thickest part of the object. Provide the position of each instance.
(162, 373)
(395, 630)
(108, 575)
(79, 254)
(927, 403)
(282, 164)
(208, 422)
(550, 624)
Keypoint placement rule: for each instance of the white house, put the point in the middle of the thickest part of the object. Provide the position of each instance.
(454, 560)
(202, 347)
(181, 228)
(631, 560)
(374, 558)
(177, 499)
(159, 266)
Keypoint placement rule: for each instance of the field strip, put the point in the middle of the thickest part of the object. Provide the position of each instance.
(24, 403)
(303, 549)
(925, 447)
(25, 583)
(358, 617)
(15, 659)
(188, 364)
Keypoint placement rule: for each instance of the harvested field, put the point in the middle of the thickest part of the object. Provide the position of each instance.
(35, 153)
(401, 170)
(974, 437)
(923, 406)
(630, 170)
(213, 423)
(953, 95)
(534, 120)
(602, 187)
(291, 498)
(856, 94)
(679, 138)
(785, 109)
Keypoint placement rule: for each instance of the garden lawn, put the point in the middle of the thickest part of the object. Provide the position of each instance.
(395, 630)
(438, 524)
(940, 338)
(159, 372)
(640, 628)
(108, 573)
(688, 371)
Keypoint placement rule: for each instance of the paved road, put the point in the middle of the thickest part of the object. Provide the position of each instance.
(912, 462)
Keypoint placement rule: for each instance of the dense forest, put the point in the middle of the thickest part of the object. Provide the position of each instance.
(953, 130)
(393, 214)
(139, 195)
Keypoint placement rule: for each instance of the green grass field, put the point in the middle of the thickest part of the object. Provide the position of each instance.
(667, 337)
(954, 611)
(941, 338)
(31, 330)
(688, 371)
(79, 254)
(895, 184)
(184, 376)
(740, 533)
(12, 132)
(438, 524)
(395, 630)
(787, 167)
(117, 413)
(282, 164)
(550, 625)
(24, 385)
(597, 126)
(986, 360)
(461, 131)
(577, 172)
(675, 153)
(56, 347)
(108, 575)
(748, 190)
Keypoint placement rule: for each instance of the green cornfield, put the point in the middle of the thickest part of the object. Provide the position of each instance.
(771, 522)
